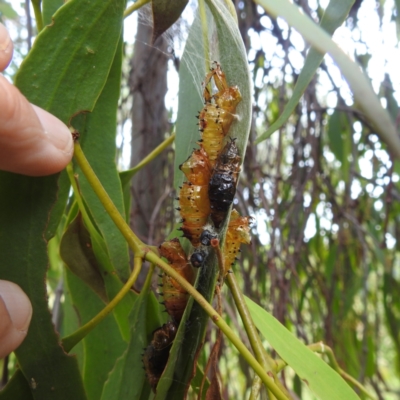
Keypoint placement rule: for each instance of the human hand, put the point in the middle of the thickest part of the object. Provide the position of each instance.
(32, 142)
(15, 316)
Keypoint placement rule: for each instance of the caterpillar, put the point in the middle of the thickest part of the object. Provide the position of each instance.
(194, 204)
(222, 186)
(218, 113)
(175, 296)
(155, 356)
(238, 232)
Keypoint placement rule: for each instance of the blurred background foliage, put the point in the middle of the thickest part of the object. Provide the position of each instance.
(323, 189)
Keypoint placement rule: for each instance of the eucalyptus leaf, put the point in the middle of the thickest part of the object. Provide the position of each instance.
(325, 382)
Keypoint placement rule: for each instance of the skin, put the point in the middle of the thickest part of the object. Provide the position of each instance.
(35, 143)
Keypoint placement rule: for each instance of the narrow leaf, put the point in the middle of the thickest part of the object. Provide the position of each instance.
(319, 377)
(366, 99)
(333, 17)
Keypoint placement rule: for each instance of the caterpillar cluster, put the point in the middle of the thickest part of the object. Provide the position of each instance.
(218, 113)
(211, 171)
(156, 354)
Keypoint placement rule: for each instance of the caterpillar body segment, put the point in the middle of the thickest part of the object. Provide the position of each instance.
(218, 113)
(175, 296)
(194, 203)
(156, 354)
(222, 186)
(238, 232)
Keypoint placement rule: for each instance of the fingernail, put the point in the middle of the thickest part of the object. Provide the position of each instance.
(58, 133)
(17, 304)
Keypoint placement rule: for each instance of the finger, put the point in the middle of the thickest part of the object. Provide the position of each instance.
(32, 141)
(15, 316)
(6, 48)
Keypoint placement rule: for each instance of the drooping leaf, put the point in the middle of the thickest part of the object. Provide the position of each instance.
(359, 83)
(325, 382)
(333, 17)
(165, 13)
(77, 253)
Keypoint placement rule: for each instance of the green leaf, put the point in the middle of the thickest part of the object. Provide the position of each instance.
(77, 253)
(24, 207)
(17, 388)
(71, 58)
(97, 137)
(103, 345)
(359, 83)
(165, 13)
(49, 7)
(319, 377)
(64, 76)
(127, 380)
(333, 17)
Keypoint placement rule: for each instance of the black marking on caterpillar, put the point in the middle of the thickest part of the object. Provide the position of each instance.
(175, 296)
(222, 186)
(194, 203)
(218, 113)
(156, 354)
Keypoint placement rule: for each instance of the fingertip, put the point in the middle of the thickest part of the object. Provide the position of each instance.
(57, 133)
(6, 48)
(15, 316)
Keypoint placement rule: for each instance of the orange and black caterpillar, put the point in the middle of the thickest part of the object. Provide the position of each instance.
(218, 113)
(194, 204)
(238, 232)
(222, 186)
(156, 354)
(175, 296)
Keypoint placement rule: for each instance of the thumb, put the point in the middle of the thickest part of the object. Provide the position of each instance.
(15, 316)
(32, 141)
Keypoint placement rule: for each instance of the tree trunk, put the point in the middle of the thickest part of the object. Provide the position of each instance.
(148, 83)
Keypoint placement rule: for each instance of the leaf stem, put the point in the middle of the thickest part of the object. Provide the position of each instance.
(216, 318)
(261, 355)
(133, 241)
(78, 198)
(151, 156)
(135, 6)
(143, 251)
(72, 340)
(38, 14)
